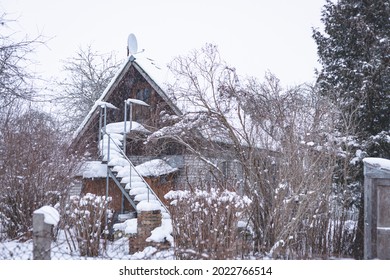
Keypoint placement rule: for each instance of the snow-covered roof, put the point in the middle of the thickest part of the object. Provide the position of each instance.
(101, 102)
(93, 169)
(155, 168)
(119, 127)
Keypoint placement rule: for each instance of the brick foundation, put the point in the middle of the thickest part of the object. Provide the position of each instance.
(146, 222)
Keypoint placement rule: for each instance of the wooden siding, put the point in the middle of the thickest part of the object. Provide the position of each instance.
(162, 185)
(98, 186)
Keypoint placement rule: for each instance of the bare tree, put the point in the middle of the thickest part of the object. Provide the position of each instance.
(35, 170)
(15, 80)
(88, 74)
(275, 146)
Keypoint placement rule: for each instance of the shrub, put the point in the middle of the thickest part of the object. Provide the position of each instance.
(87, 218)
(206, 223)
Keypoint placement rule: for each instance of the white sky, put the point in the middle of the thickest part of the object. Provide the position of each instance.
(252, 35)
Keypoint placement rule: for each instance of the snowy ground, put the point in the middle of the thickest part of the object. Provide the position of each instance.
(63, 250)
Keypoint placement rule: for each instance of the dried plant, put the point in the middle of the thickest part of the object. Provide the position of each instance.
(206, 223)
(86, 219)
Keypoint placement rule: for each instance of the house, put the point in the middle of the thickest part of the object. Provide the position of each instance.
(119, 164)
(158, 164)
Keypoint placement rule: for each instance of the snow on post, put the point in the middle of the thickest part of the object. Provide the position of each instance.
(43, 221)
(136, 101)
(105, 104)
(146, 206)
(51, 215)
(377, 163)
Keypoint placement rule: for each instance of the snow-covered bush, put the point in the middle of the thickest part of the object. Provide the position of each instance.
(86, 218)
(206, 223)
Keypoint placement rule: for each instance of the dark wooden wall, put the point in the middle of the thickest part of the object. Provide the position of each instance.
(98, 186)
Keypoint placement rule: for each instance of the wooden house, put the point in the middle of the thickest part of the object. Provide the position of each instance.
(133, 84)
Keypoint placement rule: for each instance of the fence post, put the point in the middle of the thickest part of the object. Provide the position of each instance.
(43, 221)
(42, 236)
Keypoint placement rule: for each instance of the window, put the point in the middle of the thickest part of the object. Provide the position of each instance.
(144, 95)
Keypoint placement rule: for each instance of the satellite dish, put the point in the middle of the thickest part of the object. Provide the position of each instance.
(132, 46)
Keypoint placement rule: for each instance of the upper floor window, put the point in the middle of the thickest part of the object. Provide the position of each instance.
(144, 95)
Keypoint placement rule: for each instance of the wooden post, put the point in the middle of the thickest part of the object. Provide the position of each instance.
(42, 237)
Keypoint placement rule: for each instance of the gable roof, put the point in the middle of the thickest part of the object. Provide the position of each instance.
(127, 65)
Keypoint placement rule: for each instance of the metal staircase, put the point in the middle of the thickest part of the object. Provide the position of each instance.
(122, 171)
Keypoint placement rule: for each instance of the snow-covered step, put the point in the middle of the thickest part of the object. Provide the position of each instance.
(125, 172)
(118, 162)
(136, 184)
(114, 139)
(113, 155)
(136, 179)
(119, 128)
(136, 191)
(144, 197)
(126, 180)
(116, 168)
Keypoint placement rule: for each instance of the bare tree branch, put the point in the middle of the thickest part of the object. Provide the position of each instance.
(88, 74)
(16, 82)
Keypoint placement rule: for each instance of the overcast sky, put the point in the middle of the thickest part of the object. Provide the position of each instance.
(252, 35)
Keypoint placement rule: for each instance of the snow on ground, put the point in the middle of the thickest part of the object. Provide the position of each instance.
(162, 233)
(127, 227)
(63, 249)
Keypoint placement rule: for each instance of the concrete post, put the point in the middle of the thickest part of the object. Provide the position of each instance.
(42, 237)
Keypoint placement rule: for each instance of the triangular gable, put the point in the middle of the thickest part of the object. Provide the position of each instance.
(127, 65)
(157, 88)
